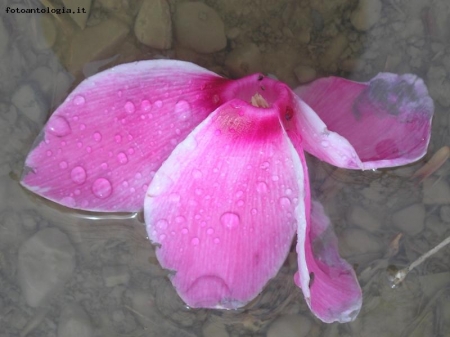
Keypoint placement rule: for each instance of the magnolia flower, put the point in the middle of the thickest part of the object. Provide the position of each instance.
(219, 168)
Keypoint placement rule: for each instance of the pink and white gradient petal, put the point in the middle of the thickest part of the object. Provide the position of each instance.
(222, 207)
(101, 147)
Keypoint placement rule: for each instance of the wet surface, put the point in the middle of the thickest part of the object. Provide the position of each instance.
(71, 273)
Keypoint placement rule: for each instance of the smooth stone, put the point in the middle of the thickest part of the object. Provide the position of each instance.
(214, 328)
(334, 50)
(153, 25)
(4, 38)
(54, 85)
(290, 326)
(444, 213)
(435, 192)
(74, 322)
(113, 276)
(112, 5)
(360, 217)
(305, 73)
(244, 60)
(46, 262)
(96, 42)
(353, 242)
(367, 14)
(79, 18)
(46, 32)
(410, 219)
(30, 103)
(199, 27)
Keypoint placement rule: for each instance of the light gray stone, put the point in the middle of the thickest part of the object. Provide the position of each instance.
(444, 212)
(360, 217)
(199, 27)
(116, 275)
(366, 14)
(153, 25)
(74, 322)
(290, 326)
(354, 242)
(436, 192)
(79, 18)
(305, 74)
(46, 32)
(411, 219)
(4, 38)
(214, 328)
(244, 60)
(46, 262)
(30, 103)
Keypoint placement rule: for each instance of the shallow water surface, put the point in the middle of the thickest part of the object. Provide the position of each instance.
(68, 273)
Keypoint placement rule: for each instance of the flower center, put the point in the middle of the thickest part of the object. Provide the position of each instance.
(259, 101)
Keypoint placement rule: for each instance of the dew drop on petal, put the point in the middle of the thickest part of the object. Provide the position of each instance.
(183, 110)
(197, 174)
(78, 175)
(180, 219)
(118, 138)
(265, 165)
(97, 136)
(79, 100)
(146, 105)
(195, 241)
(58, 126)
(104, 166)
(129, 107)
(68, 201)
(275, 177)
(184, 230)
(284, 202)
(162, 224)
(158, 104)
(254, 211)
(162, 237)
(63, 165)
(82, 127)
(210, 231)
(324, 143)
(230, 220)
(261, 187)
(122, 158)
(216, 240)
(102, 188)
(49, 153)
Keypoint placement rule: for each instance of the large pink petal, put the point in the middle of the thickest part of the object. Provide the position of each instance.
(328, 282)
(101, 147)
(223, 207)
(385, 122)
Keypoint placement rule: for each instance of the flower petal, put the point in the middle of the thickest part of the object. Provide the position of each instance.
(101, 147)
(222, 206)
(328, 282)
(385, 122)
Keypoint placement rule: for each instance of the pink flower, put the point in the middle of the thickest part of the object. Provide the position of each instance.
(219, 167)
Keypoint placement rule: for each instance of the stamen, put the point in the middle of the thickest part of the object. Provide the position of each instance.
(259, 101)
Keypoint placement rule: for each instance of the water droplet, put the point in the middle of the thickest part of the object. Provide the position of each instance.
(49, 153)
(195, 241)
(97, 136)
(80, 145)
(158, 104)
(288, 191)
(265, 165)
(254, 211)
(162, 237)
(78, 175)
(197, 174)
(239, 194)
(119, 93)
(240, 203)
(104, 166)
(162, 224)
(82, 127)
(324, 143)
(58, 126)
(216, 99)
(180, 219)
(130, 150)
(261, 187)
(138, 175)
(125, 184)
(88, 149)
(68, 201)
(79, 100)
(230, 220)
(216, 240)
(210, 231)
(198, 191)
(63, 165)
(129, 107)
(284, 202)
(275, 177)
(77, 192)
(146, 105)
(102, 188)
(183, 110)
(184, 230)
(122, 158)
